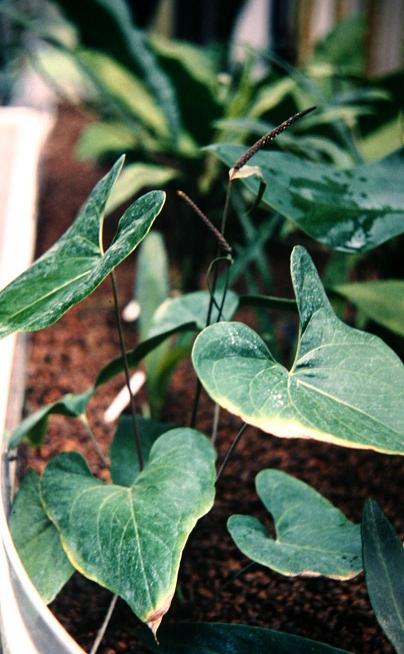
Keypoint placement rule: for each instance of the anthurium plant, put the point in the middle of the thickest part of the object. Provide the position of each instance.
(344, 387)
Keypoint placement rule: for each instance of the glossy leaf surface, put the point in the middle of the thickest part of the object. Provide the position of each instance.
(130, 540)
(351, 210)
(124, 461)
(345, 386)
(191, 308)
(381, 300)
(37, 540)
(205, 638)
(313, 538)
(75, 265)
(383, 560)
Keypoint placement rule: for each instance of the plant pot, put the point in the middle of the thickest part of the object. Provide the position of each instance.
(26, 624)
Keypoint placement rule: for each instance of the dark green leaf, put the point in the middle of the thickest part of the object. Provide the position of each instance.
(108, 27)
(381, 301)
(76, 264)
(383, 560)
(190, 308)
(345, 386)
(124, 460)
(34, 426)
(186, 313)
(313, 538)
(205, 638)
(130, 540)
(351, 210)
(37, 540)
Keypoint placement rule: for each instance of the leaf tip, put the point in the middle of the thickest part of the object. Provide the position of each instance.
(154, 619)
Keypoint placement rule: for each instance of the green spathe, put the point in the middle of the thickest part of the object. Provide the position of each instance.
(313, 538)
(37, 540)
(130, 539)
(345, 386)
(76, 264)
(351, 210)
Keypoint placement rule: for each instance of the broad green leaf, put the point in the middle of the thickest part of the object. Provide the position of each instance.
(186, 313)
(382, 301)
(317, 148)
(76, 265)
(122, 90)
(342, 46)
(136, 177)
(152, 279)
(130, 540)
(191, 308)
(34, 426)
(351, 210)
(152, 287)
(108, 27)
(383, 560)
(37, 540)
(175, 316)
(381, 141)
(101, 138)
(124, 460)
(345, 386)
(313, 538)
(194, 78)
(205, 638)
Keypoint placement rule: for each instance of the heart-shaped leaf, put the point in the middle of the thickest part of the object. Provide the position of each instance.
(351, 210)
(191, 308)
(205, 638)
(313, 538)
(383, 560)
(186, 313)
(345, 386)
(381, 300)
(76, 264)
(37, 540)
(124, 460)
(130, 540)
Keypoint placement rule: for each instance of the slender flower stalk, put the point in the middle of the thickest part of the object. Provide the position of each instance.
(267, 138)
(223, 244)
(127, 374)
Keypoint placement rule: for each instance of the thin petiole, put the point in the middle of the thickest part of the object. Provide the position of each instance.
(212, 301)
(104, 626)
(231, 450)
(238, 574)
(95, 443)
(127, 374)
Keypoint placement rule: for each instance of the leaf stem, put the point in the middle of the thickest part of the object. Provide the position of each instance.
(237, 574)
(231, 450)
(84, 421)
(198, 386)
(103, 628)
(127, 375)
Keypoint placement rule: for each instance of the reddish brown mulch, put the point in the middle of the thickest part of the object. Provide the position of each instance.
(67, 356)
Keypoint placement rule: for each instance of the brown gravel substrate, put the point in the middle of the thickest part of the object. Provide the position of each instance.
(67, 356)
